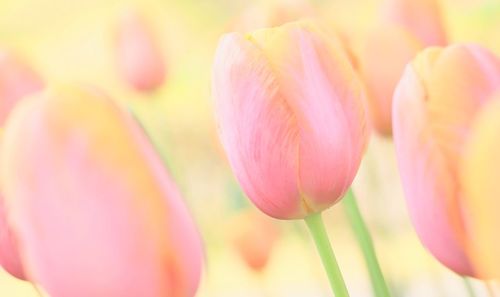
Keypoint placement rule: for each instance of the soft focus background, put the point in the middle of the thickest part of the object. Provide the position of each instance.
(74, 41)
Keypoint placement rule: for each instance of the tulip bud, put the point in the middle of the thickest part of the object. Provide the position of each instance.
(435, 102)
(406, 27)
(291, 118)
(95, 212)
(17, 79)
(480, 176)
(140, 59)
(254, 238)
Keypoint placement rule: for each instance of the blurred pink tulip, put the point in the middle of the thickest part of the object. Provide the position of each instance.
(140, 58)
(254, 238)
(17, 80)
(9, 256)
(435, 102)
(405, 28)
(291, 118)
(95, 212)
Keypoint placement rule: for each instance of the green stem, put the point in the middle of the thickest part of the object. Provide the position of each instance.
(468, 287)
(365, 242)
(317, 228)
(491, 288)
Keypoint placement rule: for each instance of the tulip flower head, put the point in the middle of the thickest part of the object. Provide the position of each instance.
(405, 28)
(435, 103)
(291, 118)
(95, 212)
(140, 59)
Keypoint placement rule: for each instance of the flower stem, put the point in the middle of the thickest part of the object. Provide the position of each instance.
(365, 242)
(468, 287)
(317, 228)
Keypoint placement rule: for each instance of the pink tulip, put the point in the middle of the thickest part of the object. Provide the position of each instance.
(435, 102)
(291, 118)
(405, 28)
(17, 80)
(95, 212)
(140, 58)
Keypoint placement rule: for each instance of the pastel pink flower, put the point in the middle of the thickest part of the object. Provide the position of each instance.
(17, 80)
(291, 118)
(10, 260)
(94, 211)
(140, 58)
(435, 102)
(405, 27)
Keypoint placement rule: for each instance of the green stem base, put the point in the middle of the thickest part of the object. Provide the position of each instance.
(366, 243)
(317, 228)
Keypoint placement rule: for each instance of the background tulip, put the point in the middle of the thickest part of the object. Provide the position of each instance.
(480, 174)
(436, 100)
(17, 80)
(290, 116)
(405, 27)
(254, 237)
(140, 58)
(95, 213)
(9, 256)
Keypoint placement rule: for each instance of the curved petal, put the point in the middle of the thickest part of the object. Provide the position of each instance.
(257, 127)
(480, 173)
(94, 211)
(426, 180)
(434, 122)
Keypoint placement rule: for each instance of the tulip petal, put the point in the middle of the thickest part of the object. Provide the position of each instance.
(426, 181)
(94, 211)
(326, 98)
(9, 255)
(480, 174)
(257, 127)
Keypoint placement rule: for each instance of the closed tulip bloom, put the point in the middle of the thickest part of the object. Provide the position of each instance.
(140, 58)
(291, 118)
(95, 212)
(405, 27)
(17, 80)
(480, 176)
(435, 102)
